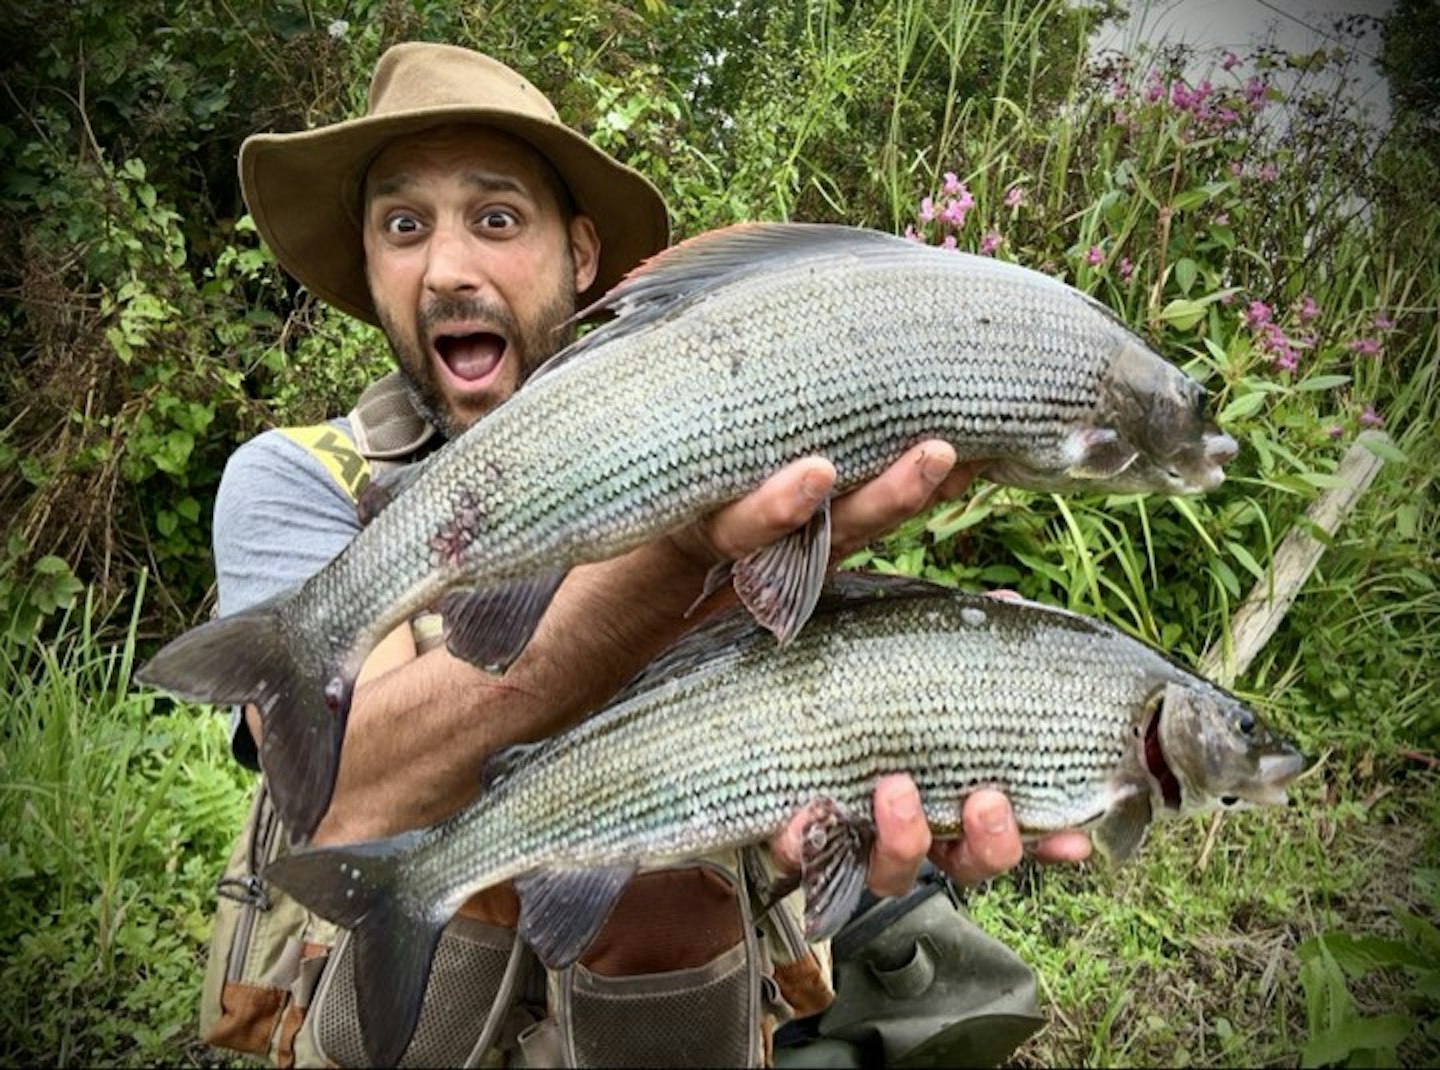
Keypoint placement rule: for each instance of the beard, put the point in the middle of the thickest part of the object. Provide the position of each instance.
(536, 341)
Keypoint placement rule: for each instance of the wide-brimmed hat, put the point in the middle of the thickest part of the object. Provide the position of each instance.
(304, 189)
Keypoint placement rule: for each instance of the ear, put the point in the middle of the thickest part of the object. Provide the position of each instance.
(584, 251)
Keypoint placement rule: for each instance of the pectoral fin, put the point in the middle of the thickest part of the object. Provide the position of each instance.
(781, 583)
(490, 627)
(835, 857)
(1098, 453)
(562, 910)
(1120, 832)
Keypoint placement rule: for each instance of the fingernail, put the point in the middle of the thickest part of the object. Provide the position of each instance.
(905, 807)
(933, 469)
(813, 488)
(996, 819)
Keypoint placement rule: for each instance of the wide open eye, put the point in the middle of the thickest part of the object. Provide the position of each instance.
(1228, 801)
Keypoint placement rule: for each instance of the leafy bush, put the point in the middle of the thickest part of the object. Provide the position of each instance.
(1246, 223)
(116, 812)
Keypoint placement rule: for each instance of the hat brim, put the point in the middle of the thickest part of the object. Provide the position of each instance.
(303, 191)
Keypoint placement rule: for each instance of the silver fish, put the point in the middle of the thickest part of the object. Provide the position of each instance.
(728, 735)
(730, 355)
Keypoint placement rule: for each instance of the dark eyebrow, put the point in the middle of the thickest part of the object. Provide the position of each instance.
(493, 183)
(485, 181)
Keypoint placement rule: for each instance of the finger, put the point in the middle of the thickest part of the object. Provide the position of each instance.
(1069, 846)
(784, 502)
(1005, 594)
(902, 836)
(909, 486)
(786, 846)
(989, 843)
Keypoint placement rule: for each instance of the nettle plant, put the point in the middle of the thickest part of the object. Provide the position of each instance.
(1210, 226)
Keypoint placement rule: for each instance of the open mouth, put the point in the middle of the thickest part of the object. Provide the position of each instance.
(471, 358)
(1158, 767)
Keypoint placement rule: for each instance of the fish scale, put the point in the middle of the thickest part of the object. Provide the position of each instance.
(727, 736)
(730, 356)
(752, 735)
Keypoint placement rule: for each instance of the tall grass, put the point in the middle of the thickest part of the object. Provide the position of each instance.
(116, 813)
(1234, 943)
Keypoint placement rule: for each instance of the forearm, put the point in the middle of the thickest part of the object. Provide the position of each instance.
(419, 732)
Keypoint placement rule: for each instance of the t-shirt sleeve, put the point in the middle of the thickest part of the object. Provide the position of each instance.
(279, 518)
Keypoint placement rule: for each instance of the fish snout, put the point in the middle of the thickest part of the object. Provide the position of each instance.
(1220, 448)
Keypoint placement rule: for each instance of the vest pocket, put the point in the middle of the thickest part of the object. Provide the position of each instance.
(673, 979)
(478, 969)
(704, 1015)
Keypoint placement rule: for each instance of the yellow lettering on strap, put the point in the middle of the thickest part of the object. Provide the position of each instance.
(336, 452)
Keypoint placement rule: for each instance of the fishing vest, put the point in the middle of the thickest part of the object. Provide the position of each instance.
(693, 966)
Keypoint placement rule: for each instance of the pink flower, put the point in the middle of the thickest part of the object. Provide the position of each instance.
(911, 235)
(990, 243)
(1268, 172)
(1257, 314)
(1371, 418)
(1118, 89)
(1094, 256)
(1237, 168)
(1308, 310)
(1126, 268)
(1221, 220)
(1229, 61)
(954, 212)
(927, 210)
(1367, 347)
(1383, 322)
(949, 242)
(1286, 359)
(952, 184)
(1335, 431)
(1271, 335)
(1227, 117)
(1154, 91)
(1014, 197)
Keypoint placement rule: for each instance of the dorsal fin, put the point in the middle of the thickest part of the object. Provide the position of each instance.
(674, 277)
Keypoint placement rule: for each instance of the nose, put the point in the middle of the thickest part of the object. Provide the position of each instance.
(1221, 449)
(452, 266)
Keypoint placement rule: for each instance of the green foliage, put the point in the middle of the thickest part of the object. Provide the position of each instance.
(116, 812)
(1254, 231)
(1339, 1033)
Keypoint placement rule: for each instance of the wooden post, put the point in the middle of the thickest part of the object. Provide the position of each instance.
(1270, 599)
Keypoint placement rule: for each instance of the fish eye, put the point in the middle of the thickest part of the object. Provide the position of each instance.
(1228, 801)
(1245, 721)
(1198, 401)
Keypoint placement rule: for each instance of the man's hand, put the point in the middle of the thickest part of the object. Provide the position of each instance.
(988, 845)
(927, 473)
(990, 840)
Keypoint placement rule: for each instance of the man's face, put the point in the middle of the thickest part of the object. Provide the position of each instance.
(472, 266)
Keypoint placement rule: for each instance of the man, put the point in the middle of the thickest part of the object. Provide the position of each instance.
(466, 221)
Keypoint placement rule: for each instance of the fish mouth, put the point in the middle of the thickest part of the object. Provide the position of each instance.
(1208, 472)
(1277, 771)
(1158, 767)
(470, 358)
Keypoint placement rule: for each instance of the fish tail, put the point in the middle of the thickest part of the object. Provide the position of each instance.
(250, 657)
(362, 887)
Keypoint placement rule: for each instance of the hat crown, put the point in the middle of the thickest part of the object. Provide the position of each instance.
(418, 76)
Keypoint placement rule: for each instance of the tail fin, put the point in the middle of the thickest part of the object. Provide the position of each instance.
(248, 657)
(362, 887)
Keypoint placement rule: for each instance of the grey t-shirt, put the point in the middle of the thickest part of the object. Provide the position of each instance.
(280, 517)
